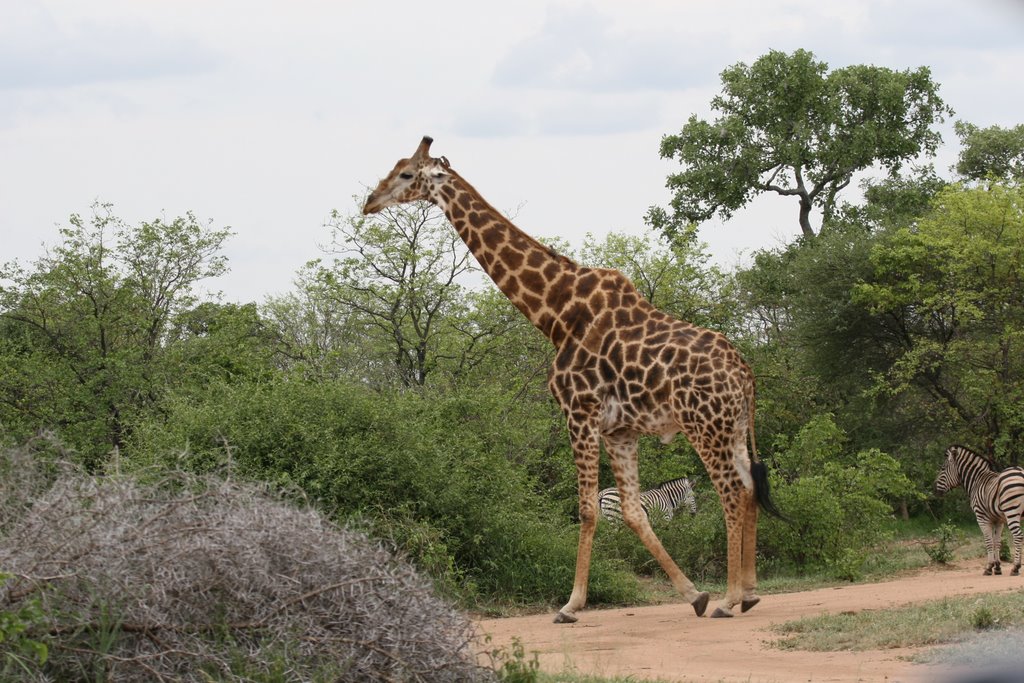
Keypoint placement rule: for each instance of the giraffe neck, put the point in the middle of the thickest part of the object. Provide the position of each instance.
(536, 279)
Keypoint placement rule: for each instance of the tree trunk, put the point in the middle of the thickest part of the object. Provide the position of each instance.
(805, 218)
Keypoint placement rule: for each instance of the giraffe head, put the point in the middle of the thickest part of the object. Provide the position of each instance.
(410, 180)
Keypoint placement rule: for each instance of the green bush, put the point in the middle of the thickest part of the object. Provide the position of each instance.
(837, 503)
(435, 474)
(941, 550)
(20, 651)
(191, 578)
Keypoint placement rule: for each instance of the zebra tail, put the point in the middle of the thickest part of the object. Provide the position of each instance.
(761, 489)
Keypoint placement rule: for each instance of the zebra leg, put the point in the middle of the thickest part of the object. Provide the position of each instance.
(991, 549)
(621, 449)
(1013, 524)
(586, 449)
(997, 546)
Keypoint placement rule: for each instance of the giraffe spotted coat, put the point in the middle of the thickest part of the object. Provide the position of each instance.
(622, 369)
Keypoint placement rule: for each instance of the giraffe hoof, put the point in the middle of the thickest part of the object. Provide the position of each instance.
(700, 604)
(749, 604)
(720, 613)
(563, 618)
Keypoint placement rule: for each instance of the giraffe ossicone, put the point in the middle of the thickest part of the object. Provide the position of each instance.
(622, 369)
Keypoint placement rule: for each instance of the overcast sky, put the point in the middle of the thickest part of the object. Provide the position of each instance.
(264, 116)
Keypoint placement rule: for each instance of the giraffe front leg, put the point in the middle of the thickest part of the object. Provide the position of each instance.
(587, 453)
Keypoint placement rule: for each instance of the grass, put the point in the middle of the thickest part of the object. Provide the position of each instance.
(931, 623)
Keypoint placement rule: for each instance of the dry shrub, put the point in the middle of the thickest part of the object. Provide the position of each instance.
(201, 579)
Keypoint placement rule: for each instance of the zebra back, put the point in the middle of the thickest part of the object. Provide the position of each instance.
(677, 492)
(665, 498)
(993, 493)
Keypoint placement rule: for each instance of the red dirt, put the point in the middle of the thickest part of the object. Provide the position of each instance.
(669, 643)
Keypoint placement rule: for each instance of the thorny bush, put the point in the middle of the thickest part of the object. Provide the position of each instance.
(189, 578)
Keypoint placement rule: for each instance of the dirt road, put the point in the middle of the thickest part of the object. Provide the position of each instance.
(668, 642)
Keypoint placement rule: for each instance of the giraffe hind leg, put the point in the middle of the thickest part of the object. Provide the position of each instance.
(739, 507)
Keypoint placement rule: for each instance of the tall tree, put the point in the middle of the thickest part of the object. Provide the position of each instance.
(789, 126)
(674, 275)
(84, 328)
(403, 284)
(400, 274)
(992, 152)
(949, 298)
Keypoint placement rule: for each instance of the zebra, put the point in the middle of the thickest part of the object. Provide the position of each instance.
(663, 498)
(997, 497)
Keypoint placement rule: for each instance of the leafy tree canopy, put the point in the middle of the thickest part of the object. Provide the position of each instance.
(789, 126)
(947, 294)
(83, 332)
(991, 152)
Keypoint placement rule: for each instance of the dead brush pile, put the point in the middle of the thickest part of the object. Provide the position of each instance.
(191, 578)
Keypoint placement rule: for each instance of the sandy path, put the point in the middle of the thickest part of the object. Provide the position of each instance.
(669, 642)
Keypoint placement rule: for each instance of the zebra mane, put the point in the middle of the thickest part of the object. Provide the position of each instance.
(992, 464)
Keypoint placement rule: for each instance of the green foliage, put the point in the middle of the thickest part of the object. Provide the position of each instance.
(513, 666)
(982, 619)
(396, 279)
(789, 126)
(838, 501)
(992, 153)
(941, 550)
(949, 291)
(82, 333)
(436, 473)
(20, 651)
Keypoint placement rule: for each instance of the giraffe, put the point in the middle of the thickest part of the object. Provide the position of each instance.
(622, 369)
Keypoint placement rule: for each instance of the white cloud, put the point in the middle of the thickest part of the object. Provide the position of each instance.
(37, 51)
(265, 115)
(580, 49)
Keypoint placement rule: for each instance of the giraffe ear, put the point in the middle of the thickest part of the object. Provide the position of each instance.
(438, 169)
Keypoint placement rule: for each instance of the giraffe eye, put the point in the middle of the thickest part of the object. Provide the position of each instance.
(405, 176)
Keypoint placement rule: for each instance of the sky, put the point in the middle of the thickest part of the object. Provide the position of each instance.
(265, 116)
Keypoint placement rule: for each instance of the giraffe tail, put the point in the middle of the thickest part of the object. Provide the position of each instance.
(761, 489)
(759, 472)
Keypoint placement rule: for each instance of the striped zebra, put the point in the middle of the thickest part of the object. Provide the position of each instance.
(664, 498)
(997, 497)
